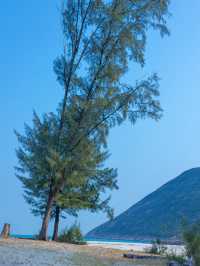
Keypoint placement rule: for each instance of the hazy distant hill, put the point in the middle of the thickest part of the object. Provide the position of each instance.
(160, 214)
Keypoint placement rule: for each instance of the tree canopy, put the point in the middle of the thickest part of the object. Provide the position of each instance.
(100, 39)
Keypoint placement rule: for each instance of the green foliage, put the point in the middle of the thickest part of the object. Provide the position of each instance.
(72, 235)
(191, 237)
(158, 248)
(64, 152)
(101, 38)
(34, 168)
(172, 256)
(41, 165)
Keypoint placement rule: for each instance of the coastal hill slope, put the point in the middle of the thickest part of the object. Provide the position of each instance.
(160, 214)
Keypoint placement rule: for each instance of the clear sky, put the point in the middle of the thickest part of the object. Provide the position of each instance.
(148, 154)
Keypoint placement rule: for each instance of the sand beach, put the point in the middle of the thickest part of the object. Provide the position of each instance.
(17, 252)
(138, 247)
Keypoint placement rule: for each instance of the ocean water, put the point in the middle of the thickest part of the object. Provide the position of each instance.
(23, 236)
(96, 240)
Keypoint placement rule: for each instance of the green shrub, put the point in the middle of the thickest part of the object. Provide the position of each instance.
(157, 248)
(172, 256)
(191, 237)
(72, 235)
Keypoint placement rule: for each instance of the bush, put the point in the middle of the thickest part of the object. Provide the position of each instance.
(172, 256)
(157, 248)
(192, 243)
(72, 235)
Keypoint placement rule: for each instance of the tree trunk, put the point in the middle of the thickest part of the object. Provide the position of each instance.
(6, 231)
(56, 224)
(44, 229)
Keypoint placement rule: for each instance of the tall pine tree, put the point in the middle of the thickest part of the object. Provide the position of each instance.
(101, 37)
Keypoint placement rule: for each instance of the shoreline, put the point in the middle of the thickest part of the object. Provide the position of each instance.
(133, 246)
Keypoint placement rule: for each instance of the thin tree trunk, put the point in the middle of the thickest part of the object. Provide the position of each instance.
(44, 229)
(56, 224)
(6, 231)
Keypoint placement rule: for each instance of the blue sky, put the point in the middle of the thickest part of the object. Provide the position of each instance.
(148, 154)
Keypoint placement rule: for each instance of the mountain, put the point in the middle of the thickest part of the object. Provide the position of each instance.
(160, 214)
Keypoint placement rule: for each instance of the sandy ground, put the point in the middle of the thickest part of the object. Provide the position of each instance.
(33, 253)
(15, 252)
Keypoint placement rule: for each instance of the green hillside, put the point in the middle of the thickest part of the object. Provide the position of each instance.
(160, 214)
